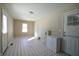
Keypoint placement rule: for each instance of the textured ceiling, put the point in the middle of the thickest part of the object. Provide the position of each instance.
(39, 10)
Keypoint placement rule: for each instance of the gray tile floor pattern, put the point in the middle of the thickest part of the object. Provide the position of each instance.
(24, 47)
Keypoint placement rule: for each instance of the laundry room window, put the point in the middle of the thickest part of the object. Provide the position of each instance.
(24, 27)
(4, 24)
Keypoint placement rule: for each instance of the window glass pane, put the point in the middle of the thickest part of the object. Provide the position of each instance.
(24, 27)
(4, 30)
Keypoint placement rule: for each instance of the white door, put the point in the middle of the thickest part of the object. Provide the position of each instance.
(71, 23)
(71, 33)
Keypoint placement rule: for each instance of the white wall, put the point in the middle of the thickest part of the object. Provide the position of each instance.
(10, 25)
(48, 23)
(18, 28)
(10, 29)
(53, 22)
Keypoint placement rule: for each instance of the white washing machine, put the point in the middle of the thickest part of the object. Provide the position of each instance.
(53, 43)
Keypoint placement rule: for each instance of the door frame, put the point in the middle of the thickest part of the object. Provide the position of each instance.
(64, 18)
(1, 33)
(4, 13)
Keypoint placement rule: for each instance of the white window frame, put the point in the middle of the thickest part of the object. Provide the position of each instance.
(4, 24)
(24, 27)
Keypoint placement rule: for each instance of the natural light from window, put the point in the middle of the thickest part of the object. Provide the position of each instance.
(24, 27)
(4, 26)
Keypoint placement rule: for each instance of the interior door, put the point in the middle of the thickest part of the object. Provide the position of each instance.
(4, 31)
(71, 33)
(71, 23)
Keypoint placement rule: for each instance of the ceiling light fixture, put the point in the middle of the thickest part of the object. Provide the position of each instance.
(31, 12)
